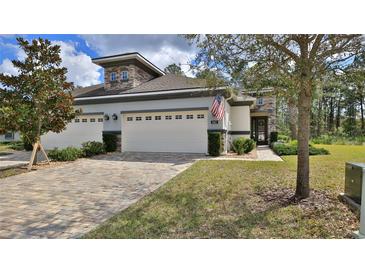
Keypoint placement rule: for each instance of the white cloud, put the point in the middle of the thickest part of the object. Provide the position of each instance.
(80, 68)
(7, 67)
(162, 50)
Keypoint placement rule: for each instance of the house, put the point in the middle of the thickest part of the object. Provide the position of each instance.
(151, 111)
(10, 137)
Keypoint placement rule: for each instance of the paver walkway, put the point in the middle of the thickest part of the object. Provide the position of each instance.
(69, 200)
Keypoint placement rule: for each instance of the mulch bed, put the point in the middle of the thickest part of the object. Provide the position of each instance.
(250, 155)
(320, 204)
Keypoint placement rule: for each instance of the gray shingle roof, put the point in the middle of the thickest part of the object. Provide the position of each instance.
(163, 83)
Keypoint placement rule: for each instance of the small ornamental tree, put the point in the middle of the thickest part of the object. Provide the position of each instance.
(38, 99)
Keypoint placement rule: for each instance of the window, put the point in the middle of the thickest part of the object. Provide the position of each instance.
(200, 116)
(168, 117)
(178, 117)
(100, 120)
(124, 76)
(77, 120)
(9, 136)
(148, 118)
(190, 116)
(84, 120)
(92, 120)
(157, 117)
(214, 122)
(113, 76)
(260, 101)
(129, 119)
(139, 118)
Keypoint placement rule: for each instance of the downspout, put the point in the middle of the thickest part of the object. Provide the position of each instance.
(227, 125)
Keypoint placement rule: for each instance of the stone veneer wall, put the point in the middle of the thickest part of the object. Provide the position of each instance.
(269, 107)
(136, 76)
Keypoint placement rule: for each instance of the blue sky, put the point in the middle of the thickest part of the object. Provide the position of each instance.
(77, 51)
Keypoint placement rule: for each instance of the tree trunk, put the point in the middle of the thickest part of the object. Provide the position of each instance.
(338, 114)
(331, 115)
(362, 115)
(293, 118)
(304, 107)
(319, 118)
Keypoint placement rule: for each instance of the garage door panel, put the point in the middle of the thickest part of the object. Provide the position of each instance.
(87, 128)
(175, 135)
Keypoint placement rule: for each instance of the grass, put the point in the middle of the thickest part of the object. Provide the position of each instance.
(11, 172)
(4, 147)
(242, 199)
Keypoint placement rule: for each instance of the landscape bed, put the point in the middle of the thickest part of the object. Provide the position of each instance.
(243, 199)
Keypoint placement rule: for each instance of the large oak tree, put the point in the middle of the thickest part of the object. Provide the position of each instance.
(308, 55)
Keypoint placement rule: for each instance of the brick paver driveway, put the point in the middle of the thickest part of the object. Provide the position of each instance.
(68, 201)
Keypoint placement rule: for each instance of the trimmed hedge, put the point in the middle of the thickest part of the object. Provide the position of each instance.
(66, 154)
(110, 142)
(292, 149)
(243, 145)
(92, 148)
(215, 144)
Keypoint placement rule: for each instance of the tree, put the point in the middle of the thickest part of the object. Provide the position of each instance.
(174, 69)
(38, 99)
(308, 57)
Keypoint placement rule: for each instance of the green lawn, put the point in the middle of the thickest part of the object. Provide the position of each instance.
(241, 199)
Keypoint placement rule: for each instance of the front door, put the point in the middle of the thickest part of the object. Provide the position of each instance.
(259, 130)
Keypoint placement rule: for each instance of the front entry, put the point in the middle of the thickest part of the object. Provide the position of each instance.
(259, 130)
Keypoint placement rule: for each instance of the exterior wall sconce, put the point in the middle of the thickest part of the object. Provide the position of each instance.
(106, 117)
(115, 117)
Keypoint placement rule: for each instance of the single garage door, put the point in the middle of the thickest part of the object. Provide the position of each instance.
(82, 129)
(177, 131)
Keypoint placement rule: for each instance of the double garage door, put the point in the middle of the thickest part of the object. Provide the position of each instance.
(175, 131)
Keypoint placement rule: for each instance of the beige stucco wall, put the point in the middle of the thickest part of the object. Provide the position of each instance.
(240, 118)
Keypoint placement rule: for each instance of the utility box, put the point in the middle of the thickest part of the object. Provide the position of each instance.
(354, 180)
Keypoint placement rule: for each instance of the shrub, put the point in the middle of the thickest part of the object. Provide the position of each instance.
(110, 142)
(273, 137)
(292, 149)
(283, 138)
(92, 148)
(243, 145)
(66, 154)
(249, 145)
(215, 144)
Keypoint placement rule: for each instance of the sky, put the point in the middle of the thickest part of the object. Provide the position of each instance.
(77, 51)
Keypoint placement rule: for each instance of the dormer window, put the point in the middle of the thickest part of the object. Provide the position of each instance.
(113, 76)
(124, 75)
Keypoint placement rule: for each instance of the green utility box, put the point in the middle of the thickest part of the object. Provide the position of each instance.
(354, 179)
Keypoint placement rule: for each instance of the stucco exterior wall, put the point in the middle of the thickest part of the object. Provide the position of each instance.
(168, 104)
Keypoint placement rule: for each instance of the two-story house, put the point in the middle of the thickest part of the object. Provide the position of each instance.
(151, 111)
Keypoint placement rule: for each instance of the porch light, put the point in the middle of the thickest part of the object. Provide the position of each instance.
(115, 117)
(106, 117)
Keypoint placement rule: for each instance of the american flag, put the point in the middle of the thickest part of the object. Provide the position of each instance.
(217, 108)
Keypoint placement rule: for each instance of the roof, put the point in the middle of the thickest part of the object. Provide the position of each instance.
(128, 56)
(167, 82)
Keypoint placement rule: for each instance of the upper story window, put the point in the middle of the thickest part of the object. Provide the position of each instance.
(190, 116)
(113, 76)
(92, 120)
(129, 119)
(124, 75)
(260, 101)
(200, 116)
(77, 120)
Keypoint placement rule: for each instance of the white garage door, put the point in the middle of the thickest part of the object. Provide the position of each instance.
(178, 131)
(82, 129)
